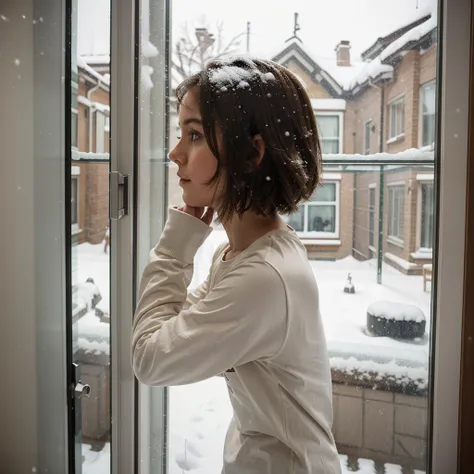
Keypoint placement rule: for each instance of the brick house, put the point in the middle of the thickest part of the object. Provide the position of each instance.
(385, 103)
(90, 134)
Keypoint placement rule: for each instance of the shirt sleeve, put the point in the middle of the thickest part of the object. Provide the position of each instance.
(243, 318)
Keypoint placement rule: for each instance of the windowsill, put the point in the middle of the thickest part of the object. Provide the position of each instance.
(372, 248)
(75, 229)
(395, 241)
(422, 254)
(321, 242)
(396, 139)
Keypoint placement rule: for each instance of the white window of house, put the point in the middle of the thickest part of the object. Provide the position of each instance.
(330, 129)
(428, 113)
(396, 115)
(319, 217)
(427, 216)
(75, 201)
(367, 132)
(396, 213)
(372, 216)
(74, 128)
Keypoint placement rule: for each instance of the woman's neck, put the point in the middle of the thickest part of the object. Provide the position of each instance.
(244, 231)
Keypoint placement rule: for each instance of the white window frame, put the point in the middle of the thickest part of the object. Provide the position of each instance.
(340, 138)
(337, 204)
(395, 239)
(76, 113)
(399, 134)
(75, 176)
(419, 213)
(365, 150)
(420, 127)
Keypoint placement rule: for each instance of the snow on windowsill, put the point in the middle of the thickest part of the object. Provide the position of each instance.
(396, 139)
(375, 372)
(401, 262)
(322, 242)
(328, 104)
(425, 177)
(423, 254)
(395, 241)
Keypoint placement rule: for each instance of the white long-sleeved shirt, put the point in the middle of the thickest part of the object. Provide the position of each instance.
(256, 320)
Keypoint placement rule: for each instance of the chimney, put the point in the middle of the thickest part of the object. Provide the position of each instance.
(343, 53)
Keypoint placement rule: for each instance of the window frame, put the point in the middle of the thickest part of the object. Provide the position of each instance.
(399, 134)
(75, 176)
(423, 181)
(75, 112)
(423, 86)
(337, 204)
(331, 113)
(366, 150)
(391, 237)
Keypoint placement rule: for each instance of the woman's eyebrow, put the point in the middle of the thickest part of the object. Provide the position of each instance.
(191, 120)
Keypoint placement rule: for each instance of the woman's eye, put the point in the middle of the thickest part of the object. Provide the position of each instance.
(193, 136)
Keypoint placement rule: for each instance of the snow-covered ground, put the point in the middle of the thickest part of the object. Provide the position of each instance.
(200, 413)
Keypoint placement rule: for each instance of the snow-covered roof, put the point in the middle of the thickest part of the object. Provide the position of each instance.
(349, 78)
(411, 36)
(81, 63)
(96, 59)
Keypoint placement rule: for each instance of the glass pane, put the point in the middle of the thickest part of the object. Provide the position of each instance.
(296, 220)
(325, 193)
(90, 252)
(322, 219)
(328, 126)
(427, 215)
(379, 374)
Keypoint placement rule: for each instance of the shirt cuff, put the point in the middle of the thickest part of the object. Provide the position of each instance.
(182, 236)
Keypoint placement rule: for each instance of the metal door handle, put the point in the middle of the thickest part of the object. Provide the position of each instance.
(82, 389)
(119, 195)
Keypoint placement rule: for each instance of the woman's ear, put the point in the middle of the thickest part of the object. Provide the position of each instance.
(259, 145)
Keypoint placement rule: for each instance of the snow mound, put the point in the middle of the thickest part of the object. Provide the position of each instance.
(396, 311)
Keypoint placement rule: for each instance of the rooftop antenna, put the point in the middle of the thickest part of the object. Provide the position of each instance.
(296, 28)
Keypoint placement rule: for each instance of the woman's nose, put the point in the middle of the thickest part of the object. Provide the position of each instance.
(175, 156)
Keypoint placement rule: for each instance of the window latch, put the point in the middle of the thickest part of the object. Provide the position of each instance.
(119, 195)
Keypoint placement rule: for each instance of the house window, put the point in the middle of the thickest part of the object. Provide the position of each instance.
(320, 216)
(74, 201)
(396, 212)
(372, 217)
(74, 126)
(367, 131)
(330, 132)
(427, 216)
(428, 114)
(397, 118)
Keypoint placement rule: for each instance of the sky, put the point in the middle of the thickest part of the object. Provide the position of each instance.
(323, 23)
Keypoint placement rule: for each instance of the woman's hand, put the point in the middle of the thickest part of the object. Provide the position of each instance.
(204, 215)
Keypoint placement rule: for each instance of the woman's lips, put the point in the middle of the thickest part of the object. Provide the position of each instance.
(183, 181)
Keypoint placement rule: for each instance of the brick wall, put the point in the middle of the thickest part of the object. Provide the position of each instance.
(360, 110)
(97, 211)
(379, 425)
(315, 90)
(406, 84)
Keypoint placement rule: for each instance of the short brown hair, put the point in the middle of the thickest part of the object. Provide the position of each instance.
(240, 99)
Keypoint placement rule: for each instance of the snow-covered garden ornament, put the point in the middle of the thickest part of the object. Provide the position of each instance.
(349, 288)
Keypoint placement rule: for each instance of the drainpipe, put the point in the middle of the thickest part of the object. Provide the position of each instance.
(91, 111)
